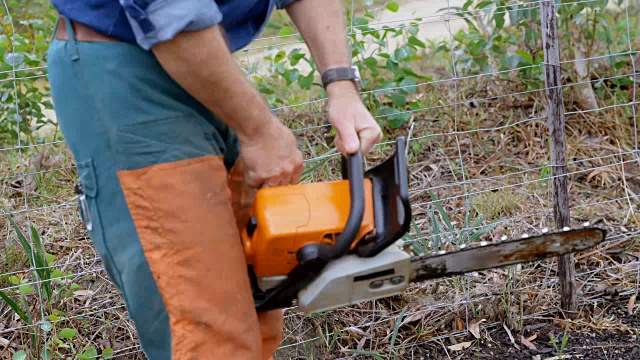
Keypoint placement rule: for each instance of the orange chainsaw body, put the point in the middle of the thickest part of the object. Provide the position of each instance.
(285, 218)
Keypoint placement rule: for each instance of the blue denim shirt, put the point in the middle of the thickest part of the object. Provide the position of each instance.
(148, 22)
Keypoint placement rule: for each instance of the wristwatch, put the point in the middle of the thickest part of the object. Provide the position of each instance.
(341, 73)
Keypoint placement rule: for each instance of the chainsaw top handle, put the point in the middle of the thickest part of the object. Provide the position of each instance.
(354, 172)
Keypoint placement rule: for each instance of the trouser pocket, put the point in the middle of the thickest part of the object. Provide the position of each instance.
(87, 191)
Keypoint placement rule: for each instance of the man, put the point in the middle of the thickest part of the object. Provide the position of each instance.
(171, 141)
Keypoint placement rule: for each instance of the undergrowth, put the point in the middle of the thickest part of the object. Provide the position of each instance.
(478, 164)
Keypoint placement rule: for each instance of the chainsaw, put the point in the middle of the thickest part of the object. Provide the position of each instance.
(329, 244)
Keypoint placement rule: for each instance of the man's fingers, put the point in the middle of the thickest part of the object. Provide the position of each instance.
(295, 176)
(252, 181)
(368, 138)
(273, 182)
(347, 139)
(288, 177)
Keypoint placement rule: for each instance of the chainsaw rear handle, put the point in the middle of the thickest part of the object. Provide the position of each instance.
(355, 175)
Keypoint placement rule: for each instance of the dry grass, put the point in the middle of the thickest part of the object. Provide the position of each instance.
(505, 171)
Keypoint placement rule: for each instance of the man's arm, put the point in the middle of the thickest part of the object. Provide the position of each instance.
(202, 64)
(321, 25)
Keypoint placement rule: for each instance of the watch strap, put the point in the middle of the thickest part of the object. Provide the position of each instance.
(340, 73)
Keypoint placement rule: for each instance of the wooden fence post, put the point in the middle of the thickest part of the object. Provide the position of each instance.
(556, 123)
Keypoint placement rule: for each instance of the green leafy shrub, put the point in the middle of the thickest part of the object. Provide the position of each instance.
(505, 35)
(24, 40)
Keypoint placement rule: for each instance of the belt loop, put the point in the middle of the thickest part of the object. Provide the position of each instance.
(55, 29)
(75, 55)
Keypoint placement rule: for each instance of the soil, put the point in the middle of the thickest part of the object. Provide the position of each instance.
(616, 337)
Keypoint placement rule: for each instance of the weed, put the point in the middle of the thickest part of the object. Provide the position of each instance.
(565, 339)
(394, 335)
(502, 203)
(43, 281)
(374, 355)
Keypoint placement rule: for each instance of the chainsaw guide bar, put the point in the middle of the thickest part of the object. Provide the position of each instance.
(351, 279)
(503, 253)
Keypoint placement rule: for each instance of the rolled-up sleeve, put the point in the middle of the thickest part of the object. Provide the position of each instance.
(155, 21)
(281, 4)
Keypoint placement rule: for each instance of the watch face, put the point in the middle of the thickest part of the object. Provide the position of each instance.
(356, 72)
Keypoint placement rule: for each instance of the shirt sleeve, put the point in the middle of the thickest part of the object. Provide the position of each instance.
(281, 4)
(155, 21)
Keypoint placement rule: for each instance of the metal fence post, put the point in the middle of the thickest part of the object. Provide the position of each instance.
(556, 123)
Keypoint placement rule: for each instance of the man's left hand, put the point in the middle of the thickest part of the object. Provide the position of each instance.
(355, 126)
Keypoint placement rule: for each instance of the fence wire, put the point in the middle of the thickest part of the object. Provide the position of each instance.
(477, 147)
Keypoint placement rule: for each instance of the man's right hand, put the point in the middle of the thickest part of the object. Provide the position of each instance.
(271, 157)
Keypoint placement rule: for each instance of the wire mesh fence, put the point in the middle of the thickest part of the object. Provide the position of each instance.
(464, 81)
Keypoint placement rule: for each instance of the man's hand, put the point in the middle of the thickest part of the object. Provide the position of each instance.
(201, 63)
(271, 157)
(321, 25)
(355, 127)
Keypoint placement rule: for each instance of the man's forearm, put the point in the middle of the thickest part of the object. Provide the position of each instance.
(321, 25)
(201, 63)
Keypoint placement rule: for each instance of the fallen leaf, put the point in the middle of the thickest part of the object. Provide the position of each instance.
(509, 333)
(51, 162)
(82, 292)
(632, 303)
(414, 317)
(534, 327)
(361, 343)
(527, 343)
(489, 124)
(35, 165)
(597, 140)
(532, 337)
(474, 328)
(460, 346)
(634, 185)
(594, 173)
(597, 311)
